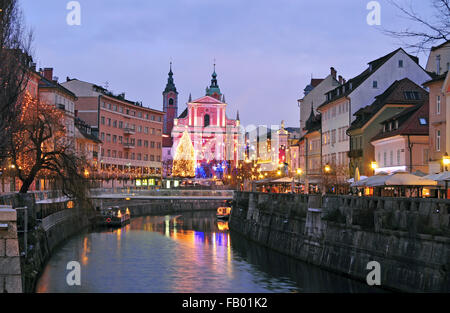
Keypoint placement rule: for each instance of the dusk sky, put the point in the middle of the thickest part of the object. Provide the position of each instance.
(265, 50)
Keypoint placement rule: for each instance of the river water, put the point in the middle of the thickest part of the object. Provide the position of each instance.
(192, 252)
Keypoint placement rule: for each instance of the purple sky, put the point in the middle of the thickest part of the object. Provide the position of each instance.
(265, 50)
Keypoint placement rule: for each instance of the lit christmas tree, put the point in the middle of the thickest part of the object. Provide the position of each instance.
(184, 160)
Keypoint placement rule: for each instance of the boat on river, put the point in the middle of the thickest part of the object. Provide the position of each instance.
(223, 213)
(113, 217)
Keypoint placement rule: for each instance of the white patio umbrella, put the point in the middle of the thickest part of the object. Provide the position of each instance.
(370, 180)
(403, 179)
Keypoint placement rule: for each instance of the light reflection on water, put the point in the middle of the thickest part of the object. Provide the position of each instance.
(185, 253)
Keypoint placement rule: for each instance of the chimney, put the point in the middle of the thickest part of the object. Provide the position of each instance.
(48, 73)
(333, 72)
(55, 79)
(340, 79)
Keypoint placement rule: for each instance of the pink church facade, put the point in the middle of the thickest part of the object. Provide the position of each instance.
(214, 136)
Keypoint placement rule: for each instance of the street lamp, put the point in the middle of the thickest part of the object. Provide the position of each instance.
(327, 168)
(446, 161)
(374, 166)
(299, 171)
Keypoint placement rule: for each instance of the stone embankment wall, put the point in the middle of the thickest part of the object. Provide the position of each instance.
(410, 238)
(47, 221)
(10, 273)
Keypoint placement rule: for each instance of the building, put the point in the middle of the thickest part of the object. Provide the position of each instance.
(314, 95)
(215, 137)
(51, 92)
(338, 111)
(87, 146)
(402, 94)
(311, 148)
(131, 135)
(402, 144)
(439, 87)
(439, 59)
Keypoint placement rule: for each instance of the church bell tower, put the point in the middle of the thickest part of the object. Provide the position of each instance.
(170, 103)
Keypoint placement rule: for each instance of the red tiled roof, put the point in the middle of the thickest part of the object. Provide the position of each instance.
(411, 124)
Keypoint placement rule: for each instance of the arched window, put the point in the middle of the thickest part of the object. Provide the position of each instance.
(170, 101)
(206, 120)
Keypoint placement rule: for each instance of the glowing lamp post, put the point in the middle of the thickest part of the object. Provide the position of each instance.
(446, 163)
(374, 166)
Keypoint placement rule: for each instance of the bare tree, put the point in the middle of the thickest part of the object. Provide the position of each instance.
(427, 32)
(40, 148)
(15, 61)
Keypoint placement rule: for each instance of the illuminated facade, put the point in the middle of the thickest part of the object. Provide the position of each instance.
(215, 137)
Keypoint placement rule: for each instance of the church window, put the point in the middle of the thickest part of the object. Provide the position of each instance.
(206, 120)
(170, 101)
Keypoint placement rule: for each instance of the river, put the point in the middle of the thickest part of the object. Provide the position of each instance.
(192, 252)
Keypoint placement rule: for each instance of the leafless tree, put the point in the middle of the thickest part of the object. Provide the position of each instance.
(427, 32)
(15, 61)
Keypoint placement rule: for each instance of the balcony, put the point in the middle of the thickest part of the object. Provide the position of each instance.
(353, 154)
(129, 145)
(129, 131)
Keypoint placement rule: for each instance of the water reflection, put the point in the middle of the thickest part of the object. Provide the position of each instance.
(192, 252)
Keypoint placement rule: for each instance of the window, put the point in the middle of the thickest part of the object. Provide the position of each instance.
(152, 158)
(398, 157)
(103, 120)
(158, 145)
(146, 157)
(139, 129)
(170, 101)
(375, 84)
(411, 95)
(114, 138)
(109, 106)
(109, 153)
(139, 156)
(438, 104)
(400, 63)
(384, 158)
(109, 122)
(423, 121)
(333, 136)
(115, 124)
(391, 157)
(152, 144)
(396, 124)
(146, 143)
(120, 124)
(158, 158)
(139, 142)
(108, 138)
(114, 154)
(120, 139)
(140, 114)
(206, 120)
(103, 136)
(438, 140)
(146, 130)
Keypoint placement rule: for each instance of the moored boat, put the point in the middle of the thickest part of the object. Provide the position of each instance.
(113, 217)
(223, 213)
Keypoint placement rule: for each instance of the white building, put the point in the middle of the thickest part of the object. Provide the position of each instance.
(342, 102)
(314, 95)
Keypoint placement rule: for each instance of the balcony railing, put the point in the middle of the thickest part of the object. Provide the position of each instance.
(129, 131)
(129, 145)
(355, 153)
